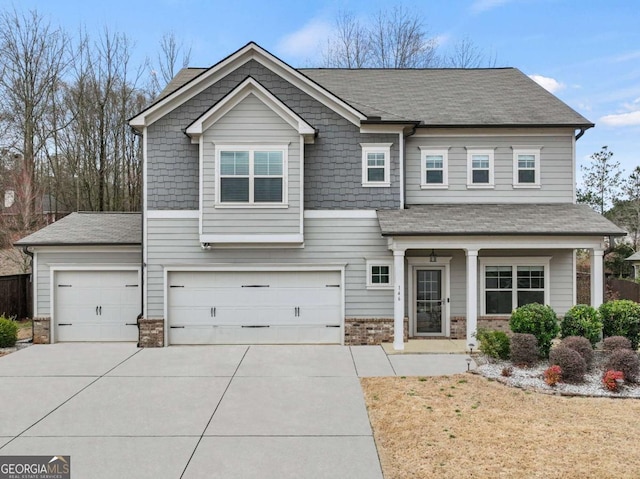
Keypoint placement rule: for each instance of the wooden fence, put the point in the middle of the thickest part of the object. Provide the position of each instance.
(624, 289)
(15, 296)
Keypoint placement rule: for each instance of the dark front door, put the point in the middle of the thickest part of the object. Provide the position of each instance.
(429, 302)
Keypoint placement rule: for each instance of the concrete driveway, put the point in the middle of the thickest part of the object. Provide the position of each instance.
(199, 411)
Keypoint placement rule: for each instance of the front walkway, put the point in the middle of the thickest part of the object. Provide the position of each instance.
(198, 411)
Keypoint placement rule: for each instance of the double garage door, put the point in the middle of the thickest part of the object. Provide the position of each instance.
(284, 307)
(96, 305)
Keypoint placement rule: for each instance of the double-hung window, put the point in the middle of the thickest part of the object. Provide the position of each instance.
(526, 167)
(376, 158)
(480, 168)
(252, 175)
(434, 166)
(509, 283)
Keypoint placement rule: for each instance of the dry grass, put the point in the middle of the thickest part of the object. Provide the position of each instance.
(467, 426)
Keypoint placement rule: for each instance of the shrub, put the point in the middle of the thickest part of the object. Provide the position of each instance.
(524, 349)
(609, 379)
(580, 345)
(8, 332)
(626, 361)
(616, 342)
(552, 375)
(622, 318)
(494, 344)
(507, 371)
(582, 320)
(571, 363)
(539, 320)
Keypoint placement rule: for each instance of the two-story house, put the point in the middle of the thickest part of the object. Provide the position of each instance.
(287, 205)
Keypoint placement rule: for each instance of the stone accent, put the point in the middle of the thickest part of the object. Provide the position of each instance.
(41, 330)
(371, 331)
(151, 333)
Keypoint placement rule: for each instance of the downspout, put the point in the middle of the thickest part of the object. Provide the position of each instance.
(142, 265)
(579, 135)
(25, 250)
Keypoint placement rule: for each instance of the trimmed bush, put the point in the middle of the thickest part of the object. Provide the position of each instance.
(621, 317)
(8, 333)
(524, 349)
(494, 344)
(582, 320)
(615, 342)
(580, 345)
(552, 375)
(539, 320)
(626, 361)
(571, 363)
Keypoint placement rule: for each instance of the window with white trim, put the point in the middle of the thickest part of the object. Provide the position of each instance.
(480, 168)
(252, 175)
(509, 283)
(526, 167)
(434, 167)
(379, 274)
(375, 164)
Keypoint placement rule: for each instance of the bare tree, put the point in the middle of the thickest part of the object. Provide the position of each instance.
(466, 54)
(350, 48)
(393, 38)
(33, 58)
(173, 55)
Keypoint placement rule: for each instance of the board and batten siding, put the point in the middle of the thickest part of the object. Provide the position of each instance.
(251, 119)
(556, 169)
(348, 241)
(71, 258)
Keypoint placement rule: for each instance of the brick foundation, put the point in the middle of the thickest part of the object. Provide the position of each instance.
(41, 330)
(151, 333)
(458, 327)
(494, 323)
(371, 331)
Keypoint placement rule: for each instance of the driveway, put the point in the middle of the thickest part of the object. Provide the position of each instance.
(199, 411)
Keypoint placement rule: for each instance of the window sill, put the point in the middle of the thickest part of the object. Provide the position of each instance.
(386, 287)
(434, 187)
(525, 186)
(231, 206)
(376, 185)
(480, 187)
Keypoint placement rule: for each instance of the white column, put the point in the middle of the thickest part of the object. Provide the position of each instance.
(398, 300)
(597, 277)
(472, 295)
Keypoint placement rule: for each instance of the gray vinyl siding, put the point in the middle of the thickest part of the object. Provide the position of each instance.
(73, 257)
(333, 164)
(556, 170)
(339, 241)
(251, 118)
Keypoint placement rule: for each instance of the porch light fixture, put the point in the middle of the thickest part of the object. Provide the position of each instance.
(432, 257)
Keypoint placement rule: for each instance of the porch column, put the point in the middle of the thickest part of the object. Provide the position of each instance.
(597, 277)
(398, 300)
(472, 295)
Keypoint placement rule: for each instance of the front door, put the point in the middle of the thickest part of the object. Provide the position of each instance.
(429, 306)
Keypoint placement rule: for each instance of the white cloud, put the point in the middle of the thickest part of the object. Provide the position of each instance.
(441, 40)
(306, 42)
(622, 119)
(480, 6)
(548, 83)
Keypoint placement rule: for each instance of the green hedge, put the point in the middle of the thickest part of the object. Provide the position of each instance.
(539, 320)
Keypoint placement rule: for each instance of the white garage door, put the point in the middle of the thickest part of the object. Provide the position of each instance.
(284, 307)
(96, 305)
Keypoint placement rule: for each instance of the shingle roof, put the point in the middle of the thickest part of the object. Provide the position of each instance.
(634, 257)
(496, 219)
(438, 96)
(89, 229)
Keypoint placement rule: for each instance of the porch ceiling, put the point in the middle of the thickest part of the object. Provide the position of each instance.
(496, 219)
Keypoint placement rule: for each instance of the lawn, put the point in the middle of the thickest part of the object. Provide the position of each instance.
(469, 426)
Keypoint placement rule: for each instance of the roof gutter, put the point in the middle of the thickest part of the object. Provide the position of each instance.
(579, 135)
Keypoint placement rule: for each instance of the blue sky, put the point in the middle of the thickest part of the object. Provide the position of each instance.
(587, 53)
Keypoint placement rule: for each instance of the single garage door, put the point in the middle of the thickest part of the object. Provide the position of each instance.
(284, 307)
(96, 305)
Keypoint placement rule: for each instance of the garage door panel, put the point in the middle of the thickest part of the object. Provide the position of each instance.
(265, 307)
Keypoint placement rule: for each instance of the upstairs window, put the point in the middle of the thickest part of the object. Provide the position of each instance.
(375, 164)
(252, 176)
(434, 166)
(526, 167)
(480, 168)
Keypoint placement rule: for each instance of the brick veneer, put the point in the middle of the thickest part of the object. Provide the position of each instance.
(41, 330)
(496, 323)
(150, 333)
(371, 331)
